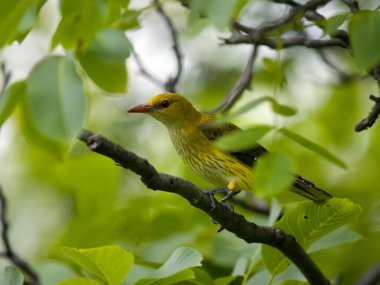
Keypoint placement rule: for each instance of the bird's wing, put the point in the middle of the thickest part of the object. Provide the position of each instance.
(213, 131)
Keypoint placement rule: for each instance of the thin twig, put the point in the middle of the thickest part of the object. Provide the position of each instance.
(240, 86)
(9, 253)
(6, 74)
(172, 82)
(229, 220)
(370, 277)
(372, 116)
(145, 71)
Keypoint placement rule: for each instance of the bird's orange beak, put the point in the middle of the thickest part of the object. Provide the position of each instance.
(140, 109)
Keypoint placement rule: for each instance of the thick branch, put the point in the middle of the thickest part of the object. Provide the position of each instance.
(229, 220)
(371, 277)
(9, 253)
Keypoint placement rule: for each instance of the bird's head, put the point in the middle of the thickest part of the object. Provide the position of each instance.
(168, 108)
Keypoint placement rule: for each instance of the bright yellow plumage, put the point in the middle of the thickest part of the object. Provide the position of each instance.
(193, 137)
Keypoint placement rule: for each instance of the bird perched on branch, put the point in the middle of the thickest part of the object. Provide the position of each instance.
(193, 135)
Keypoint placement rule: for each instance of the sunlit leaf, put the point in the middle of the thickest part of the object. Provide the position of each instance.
(307, 222)
(229, 280)
(313, 147)
(79, 281)
(176, 268)
(109, 263)
(365, 38)
(275, 211)
(104, 61)
(11, 276)
(129, 20)
(243, 139)
(273, 174)
(55, 97)
(10, 98)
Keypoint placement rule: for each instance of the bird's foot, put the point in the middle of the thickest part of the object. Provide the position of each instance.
(211, 194)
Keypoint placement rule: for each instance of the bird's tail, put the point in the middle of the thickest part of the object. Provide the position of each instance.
(309, 190)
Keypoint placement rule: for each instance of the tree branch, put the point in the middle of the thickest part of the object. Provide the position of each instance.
(372, 116)
(172, 82)
(240, 86)
(9, 253)
(371, 277)
(229, 220)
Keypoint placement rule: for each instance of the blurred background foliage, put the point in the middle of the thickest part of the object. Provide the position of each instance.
(72, 197)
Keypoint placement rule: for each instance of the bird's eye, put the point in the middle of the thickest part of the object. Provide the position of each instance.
(165, 103)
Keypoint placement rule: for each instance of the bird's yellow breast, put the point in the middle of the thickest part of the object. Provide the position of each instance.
(208, 162)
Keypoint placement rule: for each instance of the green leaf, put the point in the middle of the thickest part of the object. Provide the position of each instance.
(11, 276)
(307, 222)
(129, 20)
(56, 99)
(273, 174)
(104, 61)
(175, 268)
(10, 98)
(340, 236)
(282, 109)
(79, 281)
(109, 263)
(79, 23)
(365, 38)
(313, 147)
(243, 139)
(247, 107)
(15, 19)
(229, 280)
(333, 23)
(275, 211)
(240, 266)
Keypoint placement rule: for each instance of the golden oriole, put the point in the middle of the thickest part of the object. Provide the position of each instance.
(193, 135)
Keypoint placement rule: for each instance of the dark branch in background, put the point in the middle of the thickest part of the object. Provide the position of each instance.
(371, 277)
(9, 253)
(240, 86)
(171, 83)
(6, 74)
(372, 116)
(229, 220)
(352, 4)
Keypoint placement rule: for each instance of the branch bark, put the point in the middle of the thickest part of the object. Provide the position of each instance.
(9, 253)
(229, 220)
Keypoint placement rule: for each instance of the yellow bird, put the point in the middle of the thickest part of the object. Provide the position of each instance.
(193, 135)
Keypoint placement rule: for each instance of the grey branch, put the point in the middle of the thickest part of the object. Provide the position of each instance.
(240, 86)
(285, 42)
(171, 83)
(372, 116)
(9, 253)
(229, 220)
